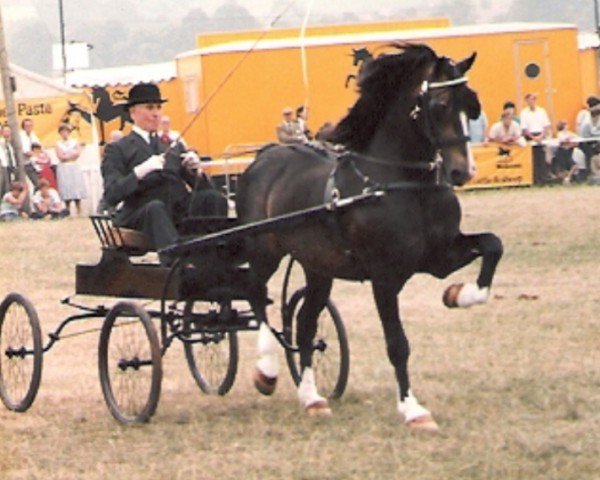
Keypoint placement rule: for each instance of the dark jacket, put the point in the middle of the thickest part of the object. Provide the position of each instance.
(168, 185)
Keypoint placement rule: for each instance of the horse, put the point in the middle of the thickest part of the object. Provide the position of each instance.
(360, 56)
(406, 137)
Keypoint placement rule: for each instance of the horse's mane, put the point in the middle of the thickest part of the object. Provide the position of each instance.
(380, 81)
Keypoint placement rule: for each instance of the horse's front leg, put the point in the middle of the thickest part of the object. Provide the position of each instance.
(317, 293)
(463, 250)
(415, 415)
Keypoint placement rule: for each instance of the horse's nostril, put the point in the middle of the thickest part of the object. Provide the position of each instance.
(458, 177)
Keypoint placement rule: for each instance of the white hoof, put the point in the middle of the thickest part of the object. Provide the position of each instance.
(425, 423)
(314, 404)
(416, 416)
(319, 408)
(465, 295)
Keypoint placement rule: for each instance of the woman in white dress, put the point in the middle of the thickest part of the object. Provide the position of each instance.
(71, 185)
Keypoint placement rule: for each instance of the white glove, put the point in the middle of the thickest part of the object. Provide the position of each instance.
(155, 162)
(191, 161)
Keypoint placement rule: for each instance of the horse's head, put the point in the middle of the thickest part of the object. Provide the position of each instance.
(444, 104)
(413, 105)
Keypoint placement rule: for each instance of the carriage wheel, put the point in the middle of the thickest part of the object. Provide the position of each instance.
(331, 355)
(20, 352)
(130, 363)
(213, 361)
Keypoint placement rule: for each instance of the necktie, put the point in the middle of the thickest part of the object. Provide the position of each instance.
(154, 143)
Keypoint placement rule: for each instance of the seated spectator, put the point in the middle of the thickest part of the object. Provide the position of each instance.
(564, 166)
(506, 132)
(47, 202)
(591, 125)
(13, 202)
(301, 119)
(43, 164)
(288, 131)
(510, 106)
(535, 123)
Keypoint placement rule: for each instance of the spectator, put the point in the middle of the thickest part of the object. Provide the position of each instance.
(166, 135)
(47, 202)
(506, 132)
(568, 161)
(8, 161)
(70, 178)
(42, 164)
(115, 136)
(301, 119)
(510, 105)
(288, 131)
(535, 123)
(594, 176)
(154, 186)
(583, 116)
(28, 137)
(591, 125)
(478, 129)
(14, 202)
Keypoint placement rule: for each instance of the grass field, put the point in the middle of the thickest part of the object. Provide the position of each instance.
(514, 384)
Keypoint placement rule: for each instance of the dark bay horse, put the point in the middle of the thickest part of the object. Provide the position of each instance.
(405, 136)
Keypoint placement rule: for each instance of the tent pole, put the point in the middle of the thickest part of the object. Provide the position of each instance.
(9, 102)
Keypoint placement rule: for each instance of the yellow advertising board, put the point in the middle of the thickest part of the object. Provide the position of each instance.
(502, 168)
(49, 112)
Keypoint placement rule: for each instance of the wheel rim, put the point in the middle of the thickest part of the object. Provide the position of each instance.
(129, 368)
(212, 362)
(19, 365)
(326, 363)
(330, 348)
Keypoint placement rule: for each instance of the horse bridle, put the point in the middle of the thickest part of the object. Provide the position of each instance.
(423, 106)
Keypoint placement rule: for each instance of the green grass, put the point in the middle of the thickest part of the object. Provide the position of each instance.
(514, 384)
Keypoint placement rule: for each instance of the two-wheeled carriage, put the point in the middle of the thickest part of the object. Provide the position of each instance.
(205, 301)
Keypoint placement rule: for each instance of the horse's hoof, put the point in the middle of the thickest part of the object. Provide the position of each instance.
(451, 295)
(426, 423)
(320, 408)
(265, 385)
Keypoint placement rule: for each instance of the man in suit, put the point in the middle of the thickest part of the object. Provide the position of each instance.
(153, 180)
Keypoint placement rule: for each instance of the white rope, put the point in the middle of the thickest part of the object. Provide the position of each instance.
(303, 52)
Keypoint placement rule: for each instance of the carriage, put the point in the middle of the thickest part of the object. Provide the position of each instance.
(204, 305)
(381, 208)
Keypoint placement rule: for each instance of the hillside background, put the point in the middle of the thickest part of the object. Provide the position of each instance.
(126, 32)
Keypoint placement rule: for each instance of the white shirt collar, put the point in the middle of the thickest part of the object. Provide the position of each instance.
(142, 133)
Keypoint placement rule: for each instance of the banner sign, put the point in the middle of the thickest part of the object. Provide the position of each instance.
(49, 112)
(500, 167)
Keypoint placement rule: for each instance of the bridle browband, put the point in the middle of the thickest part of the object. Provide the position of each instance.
(422, 106)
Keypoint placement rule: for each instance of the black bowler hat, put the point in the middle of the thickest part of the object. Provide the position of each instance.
(144, 93)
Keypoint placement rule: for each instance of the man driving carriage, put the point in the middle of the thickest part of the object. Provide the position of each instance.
(159, 185)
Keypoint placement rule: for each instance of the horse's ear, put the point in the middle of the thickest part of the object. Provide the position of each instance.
(465, 65)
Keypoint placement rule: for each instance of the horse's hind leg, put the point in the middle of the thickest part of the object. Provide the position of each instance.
(317, 293)
(415, 415)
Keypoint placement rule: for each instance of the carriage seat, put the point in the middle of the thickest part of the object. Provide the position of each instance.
(133, 242)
